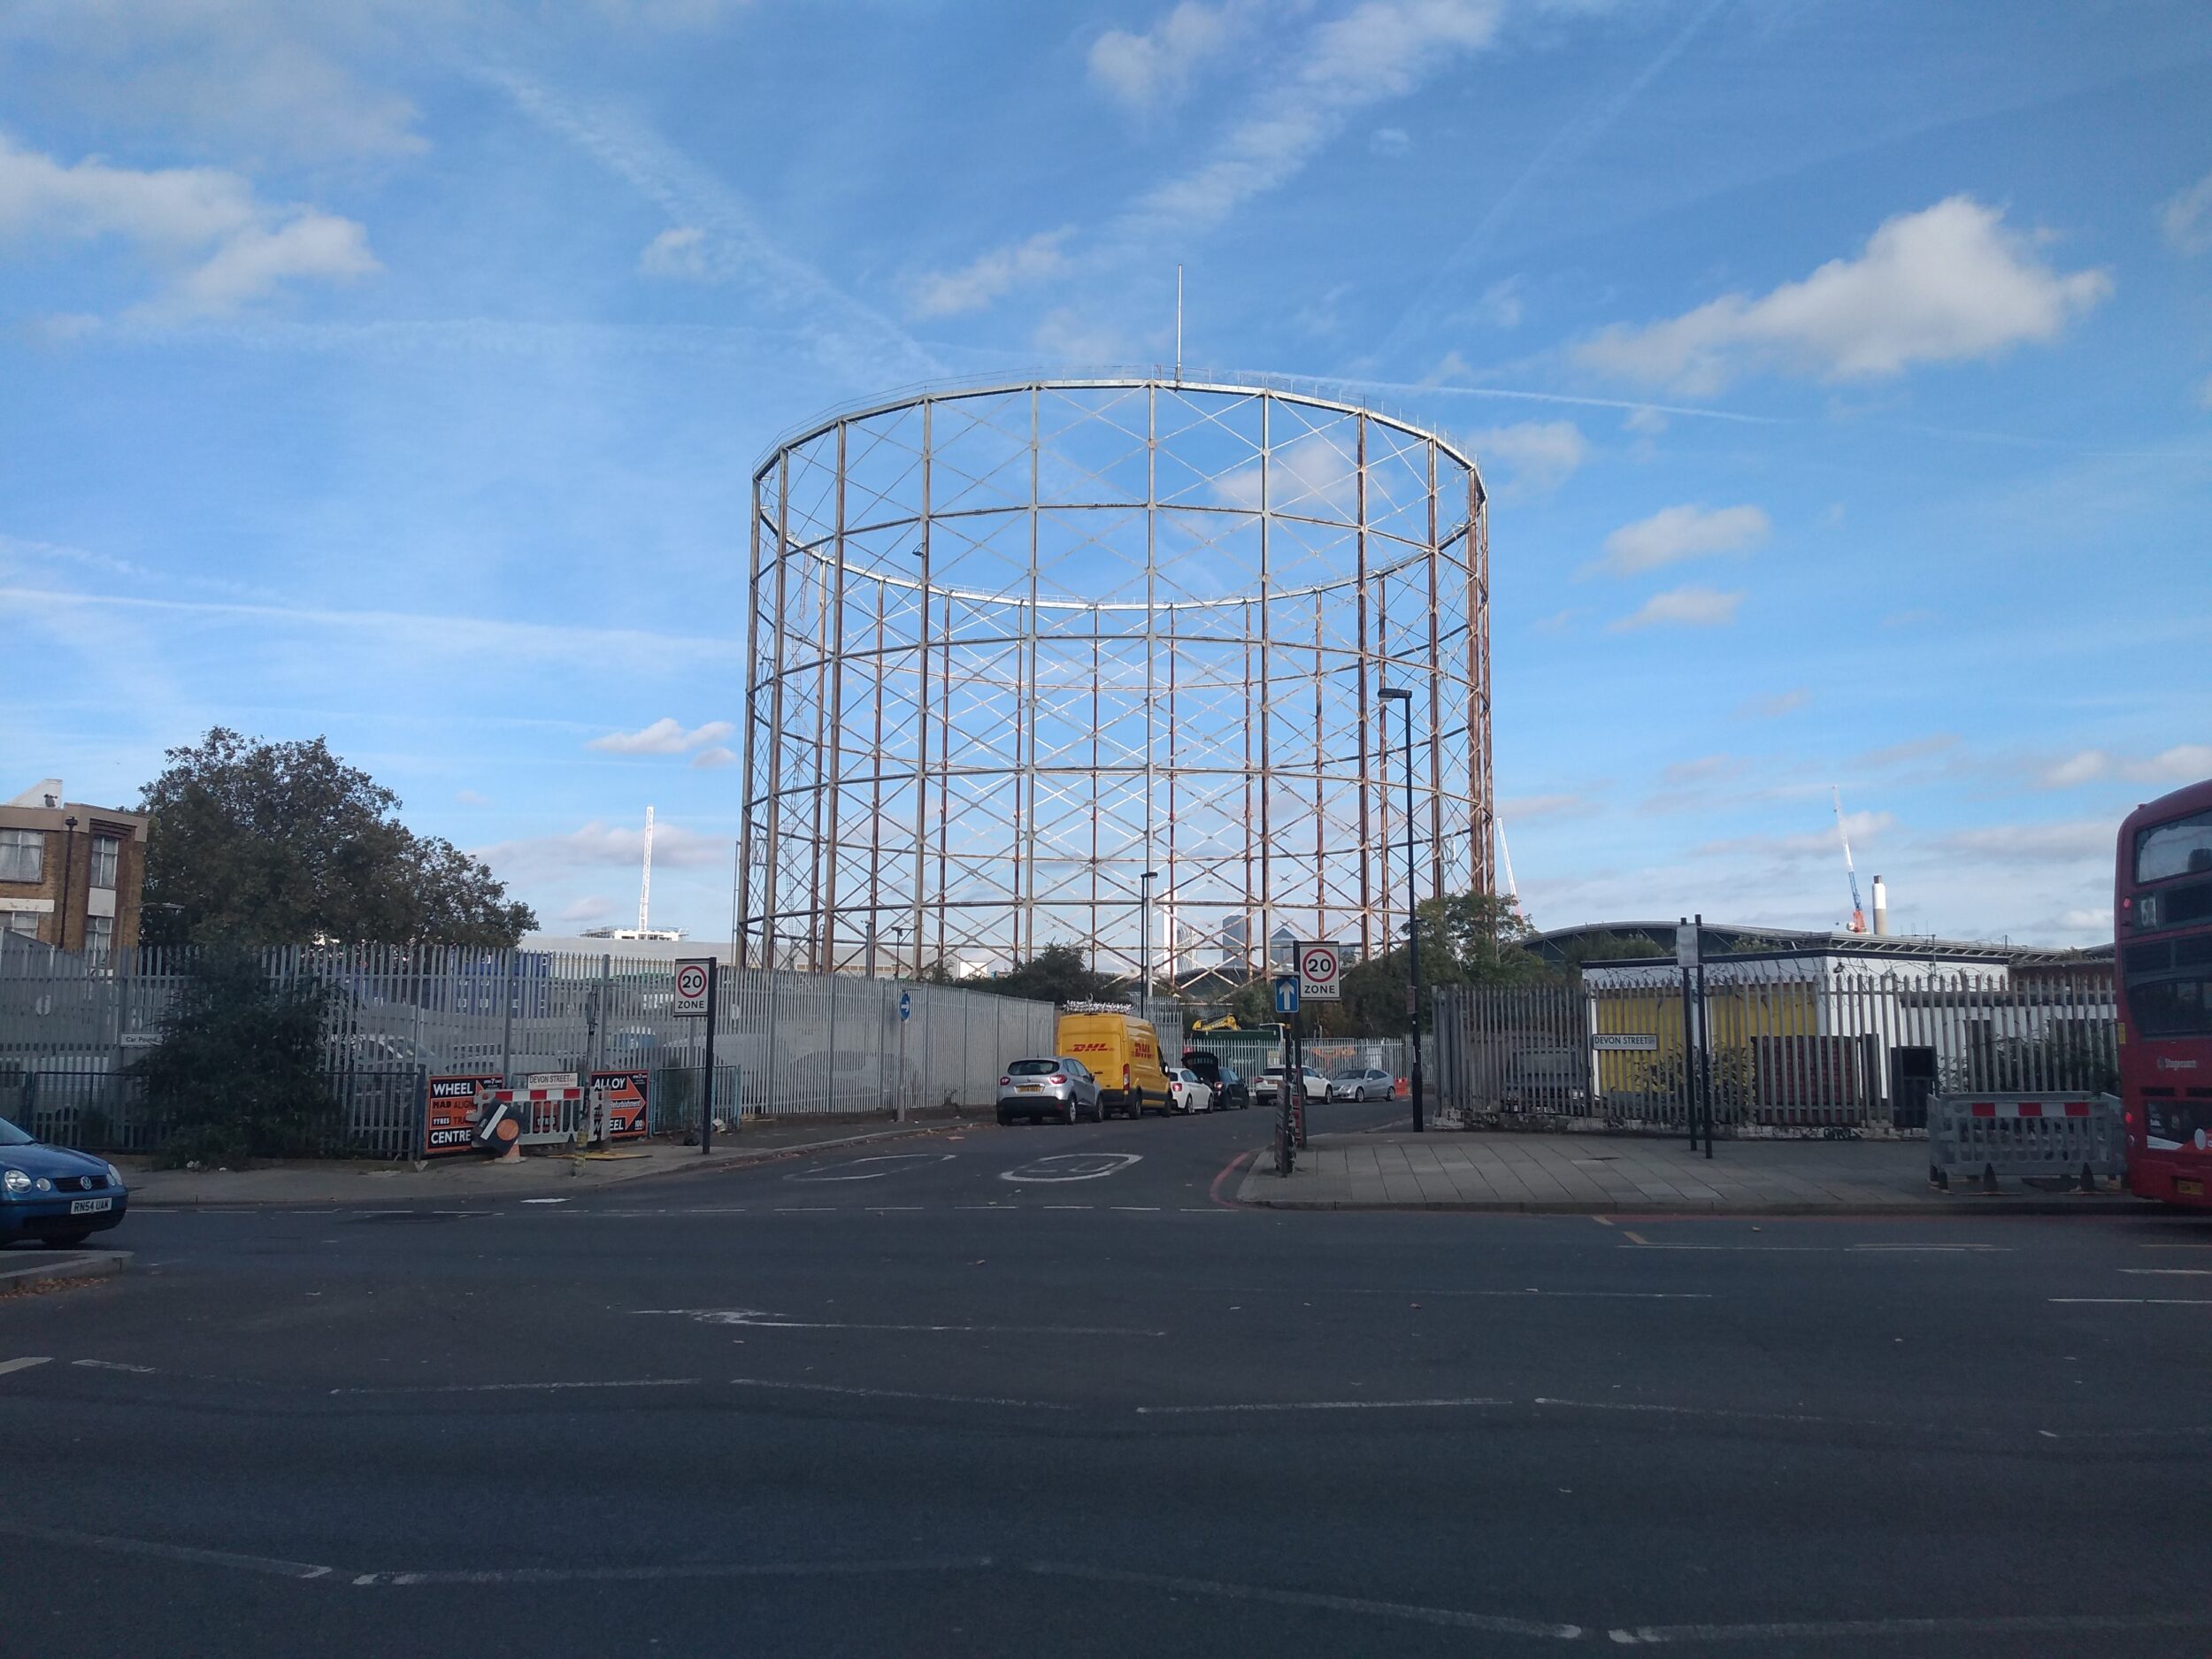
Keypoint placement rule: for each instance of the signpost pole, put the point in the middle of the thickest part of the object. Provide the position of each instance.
(706, 1099)
(1704, 1038)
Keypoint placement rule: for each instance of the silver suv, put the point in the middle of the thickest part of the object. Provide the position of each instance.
(1060, 1087)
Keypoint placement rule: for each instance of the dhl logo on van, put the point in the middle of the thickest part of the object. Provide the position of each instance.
(1087, 1048)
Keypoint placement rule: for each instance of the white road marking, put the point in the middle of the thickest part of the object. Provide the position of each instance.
(2172, 1272)
(7, 1365)
(1602, 1295)
(1700, 1412)
(2131, 1301)
(1136, 1209)
(1073, 1166)
(109, 1365)
(845, 1171)
(761, 1319)
(45, 1534)
(1316, 1405)
(674, 1569)
(1446, 1615)
(1999, 1625)
(526, 1387)
(897, 1394)
(545, 1200)
(1975, 1249)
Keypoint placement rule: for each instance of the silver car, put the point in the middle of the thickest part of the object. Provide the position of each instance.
(1355, 1082)
(1059, 1087)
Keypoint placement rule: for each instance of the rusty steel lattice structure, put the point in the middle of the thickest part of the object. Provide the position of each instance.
(1013, 647)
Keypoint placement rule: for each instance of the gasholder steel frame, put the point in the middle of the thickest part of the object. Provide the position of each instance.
(1012, 645)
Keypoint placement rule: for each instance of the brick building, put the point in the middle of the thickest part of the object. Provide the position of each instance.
(71, 875)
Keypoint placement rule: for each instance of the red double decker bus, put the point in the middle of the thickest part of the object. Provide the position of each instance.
(2163, 918)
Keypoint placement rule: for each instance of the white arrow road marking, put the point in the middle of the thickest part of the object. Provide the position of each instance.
(1073, 1166)
(7, 1365)
(852, 1171)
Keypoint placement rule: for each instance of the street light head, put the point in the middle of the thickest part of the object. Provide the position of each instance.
(1395, 694)
(1150, 875)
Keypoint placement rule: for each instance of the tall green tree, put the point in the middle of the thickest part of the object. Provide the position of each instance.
(256, 842)
(1056, 974)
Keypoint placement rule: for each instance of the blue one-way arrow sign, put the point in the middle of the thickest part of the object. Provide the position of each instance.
(1287, 994)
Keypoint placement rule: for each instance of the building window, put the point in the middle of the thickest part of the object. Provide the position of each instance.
(99, 934)
(20, 922)
(22, 855)
(105, 849)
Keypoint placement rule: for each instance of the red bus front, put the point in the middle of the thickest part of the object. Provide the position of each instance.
(2162, 916)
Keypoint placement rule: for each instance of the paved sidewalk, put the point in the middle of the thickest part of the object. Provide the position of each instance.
(1591, 1174)
(357, 1182)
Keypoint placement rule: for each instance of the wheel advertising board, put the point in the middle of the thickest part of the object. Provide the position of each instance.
(449, 1116)
(628, 1096)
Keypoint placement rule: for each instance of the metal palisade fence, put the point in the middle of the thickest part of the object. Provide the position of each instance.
(786, 1044)
(1775, 1051)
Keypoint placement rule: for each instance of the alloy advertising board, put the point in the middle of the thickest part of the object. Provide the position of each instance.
(449, 1120)
(628, 1095)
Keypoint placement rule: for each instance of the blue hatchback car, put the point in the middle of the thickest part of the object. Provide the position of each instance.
(55, 1195)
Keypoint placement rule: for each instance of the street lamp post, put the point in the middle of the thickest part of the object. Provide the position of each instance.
(1403, 695)
(1144, 943)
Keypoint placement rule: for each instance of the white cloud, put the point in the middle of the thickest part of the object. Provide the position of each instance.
(2187, 218)
(1645, 421)
(1675, 533)
(1865, 829)
(2031, 843)
(1538, 455)
(1947, 283)
(1528, 808)
(272, 76)
(1390, 142)
(1773, 708)
(1704, 769)
(2185, 763)
(470, 798)
(221, 245)
(588, 910)
(1066, 335)
(1156, 67)
(665, 737)
(1313, 475)
(1379, 50)
(1500, 304)
(1914, 749)
(716, 757)
(598, 845)
(1681, 607)
(974, 285)
(680, 252)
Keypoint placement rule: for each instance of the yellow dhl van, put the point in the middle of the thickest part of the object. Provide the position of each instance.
(1123, 1053)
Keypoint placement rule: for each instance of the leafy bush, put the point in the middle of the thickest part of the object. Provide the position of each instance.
(239, 1070)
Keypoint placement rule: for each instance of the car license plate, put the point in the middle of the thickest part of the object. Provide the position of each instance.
(91, 1206)
(2187, 1188)
(1029, 1088)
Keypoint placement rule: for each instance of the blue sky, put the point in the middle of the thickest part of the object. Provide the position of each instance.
(394, 370)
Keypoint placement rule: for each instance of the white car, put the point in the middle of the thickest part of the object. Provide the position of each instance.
(1188, 1093)
(1268, 1088)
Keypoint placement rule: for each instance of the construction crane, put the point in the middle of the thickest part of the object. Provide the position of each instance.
(1858, 911)
(1512, 891)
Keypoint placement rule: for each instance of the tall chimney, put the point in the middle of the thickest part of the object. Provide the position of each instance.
(1881, 908)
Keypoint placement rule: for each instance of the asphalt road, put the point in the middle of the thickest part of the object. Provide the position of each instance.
(1037, 1391)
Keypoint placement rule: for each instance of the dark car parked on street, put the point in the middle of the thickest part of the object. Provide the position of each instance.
(1230, 1091)
(54, 1194)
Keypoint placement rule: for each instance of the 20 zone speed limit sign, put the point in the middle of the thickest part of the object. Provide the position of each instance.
(1320, 973)
(692, 982)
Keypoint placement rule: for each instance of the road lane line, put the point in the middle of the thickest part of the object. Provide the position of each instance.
(1996, 1625)
(525, 1387)
(1453, 1617)
(2170, 1272)
(2131, 1302)
(896, 1394)
(270, 1564)
(1316, 1405)
(674, 1570)
(7, 1365)
(109, 1365)
(760, 1319)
